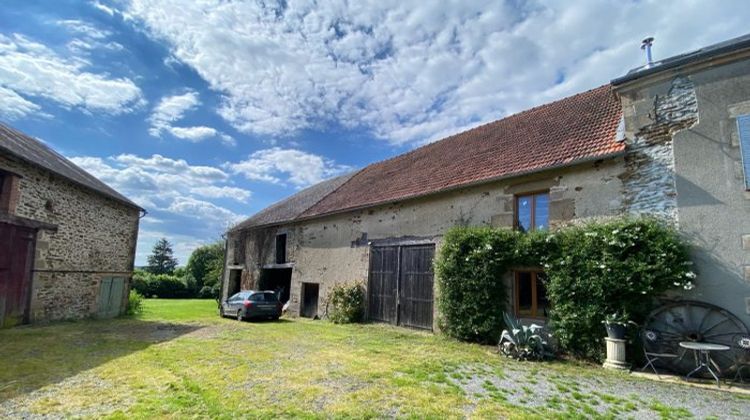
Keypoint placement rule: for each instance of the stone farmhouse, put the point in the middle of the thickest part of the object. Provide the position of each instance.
(670, 139)
(67, 240)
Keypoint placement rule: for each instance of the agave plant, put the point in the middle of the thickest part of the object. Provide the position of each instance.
(523, 342)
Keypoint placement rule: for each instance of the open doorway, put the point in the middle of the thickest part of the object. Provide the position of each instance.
(309, 300)
(235, 281)
(279, 280)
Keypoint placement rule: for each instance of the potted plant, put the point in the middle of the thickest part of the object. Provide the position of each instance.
(616, 325)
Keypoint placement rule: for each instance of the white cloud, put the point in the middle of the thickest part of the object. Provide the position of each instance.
(213, 191)
(84, 28)
(411, 70)
(297, 167)
(103, 8)
(13, 106)
(33, 70)
(162, 183)
(172, 109)
(203, 210)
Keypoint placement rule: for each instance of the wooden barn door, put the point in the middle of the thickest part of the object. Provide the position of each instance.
(416, 286)
(16, 257)
(111, 290)
(400, 287)
(382, 284)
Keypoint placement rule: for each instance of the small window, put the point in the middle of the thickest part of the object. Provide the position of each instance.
(257, 297)
(532, 212)
(281, 248)
(531, 294)
(743, 128)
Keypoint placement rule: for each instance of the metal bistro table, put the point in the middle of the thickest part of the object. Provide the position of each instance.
(703, 359)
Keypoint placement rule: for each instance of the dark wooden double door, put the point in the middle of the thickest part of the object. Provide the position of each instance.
(400, 286)
(16, 256)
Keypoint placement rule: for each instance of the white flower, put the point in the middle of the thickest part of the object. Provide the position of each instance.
(615, 232)
(602, 266)
(690, 275)
(590, 233)
(688, 286)
(488, 247)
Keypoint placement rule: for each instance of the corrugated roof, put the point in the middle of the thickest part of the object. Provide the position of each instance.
(292, 207)
(37, 153)
(574, 129)
(705, 53)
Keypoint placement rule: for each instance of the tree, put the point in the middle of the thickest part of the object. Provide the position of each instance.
(161, 260)
(205, 265)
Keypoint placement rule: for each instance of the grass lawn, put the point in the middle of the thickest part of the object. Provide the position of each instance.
(180, 359)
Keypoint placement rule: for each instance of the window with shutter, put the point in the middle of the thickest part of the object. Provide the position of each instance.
(743, 127)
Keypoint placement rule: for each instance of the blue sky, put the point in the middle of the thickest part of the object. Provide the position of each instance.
(206, 112)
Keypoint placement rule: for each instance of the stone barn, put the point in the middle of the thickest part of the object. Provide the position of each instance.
(665, 140)
(67, 240)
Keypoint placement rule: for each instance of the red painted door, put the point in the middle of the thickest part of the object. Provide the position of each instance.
(16, 256)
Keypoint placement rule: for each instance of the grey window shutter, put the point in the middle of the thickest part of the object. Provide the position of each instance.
(743, 127)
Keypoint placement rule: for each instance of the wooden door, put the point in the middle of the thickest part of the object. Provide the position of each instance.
(415, 296)
(16, 258)
(111, 291)
(383, 284)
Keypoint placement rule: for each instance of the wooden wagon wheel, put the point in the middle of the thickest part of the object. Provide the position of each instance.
(668, 325)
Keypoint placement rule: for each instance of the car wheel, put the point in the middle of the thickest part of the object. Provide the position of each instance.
(239, 315)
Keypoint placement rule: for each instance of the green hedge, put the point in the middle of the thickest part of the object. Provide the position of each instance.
(592, 270)
(470, 268)
(602, 268)
(160, 285)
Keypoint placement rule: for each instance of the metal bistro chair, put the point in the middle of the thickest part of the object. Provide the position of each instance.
(741, 350)
(653, 350)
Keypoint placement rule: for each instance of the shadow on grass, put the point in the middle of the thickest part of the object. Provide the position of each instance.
(36, 356)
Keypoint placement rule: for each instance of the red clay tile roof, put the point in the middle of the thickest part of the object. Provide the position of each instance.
(580, 127)
(576, 128)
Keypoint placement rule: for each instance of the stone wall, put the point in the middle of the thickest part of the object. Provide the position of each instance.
(684, 133)
(650, 124)
(95, 238)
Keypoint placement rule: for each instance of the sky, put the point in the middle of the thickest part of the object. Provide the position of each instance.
(205, 112)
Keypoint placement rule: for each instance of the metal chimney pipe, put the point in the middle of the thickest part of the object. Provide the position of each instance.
(646, 45)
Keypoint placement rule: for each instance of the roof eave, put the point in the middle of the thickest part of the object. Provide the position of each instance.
(80, 184)
(690, 59)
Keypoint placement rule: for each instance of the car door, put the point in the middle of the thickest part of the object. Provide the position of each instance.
(230, 304)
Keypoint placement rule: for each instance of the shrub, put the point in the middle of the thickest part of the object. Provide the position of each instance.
(347, 303)
(601, 268)
(471, 294)
(135, 303)
(209, 292)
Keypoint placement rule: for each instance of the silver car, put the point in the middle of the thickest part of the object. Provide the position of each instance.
(252, 304)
